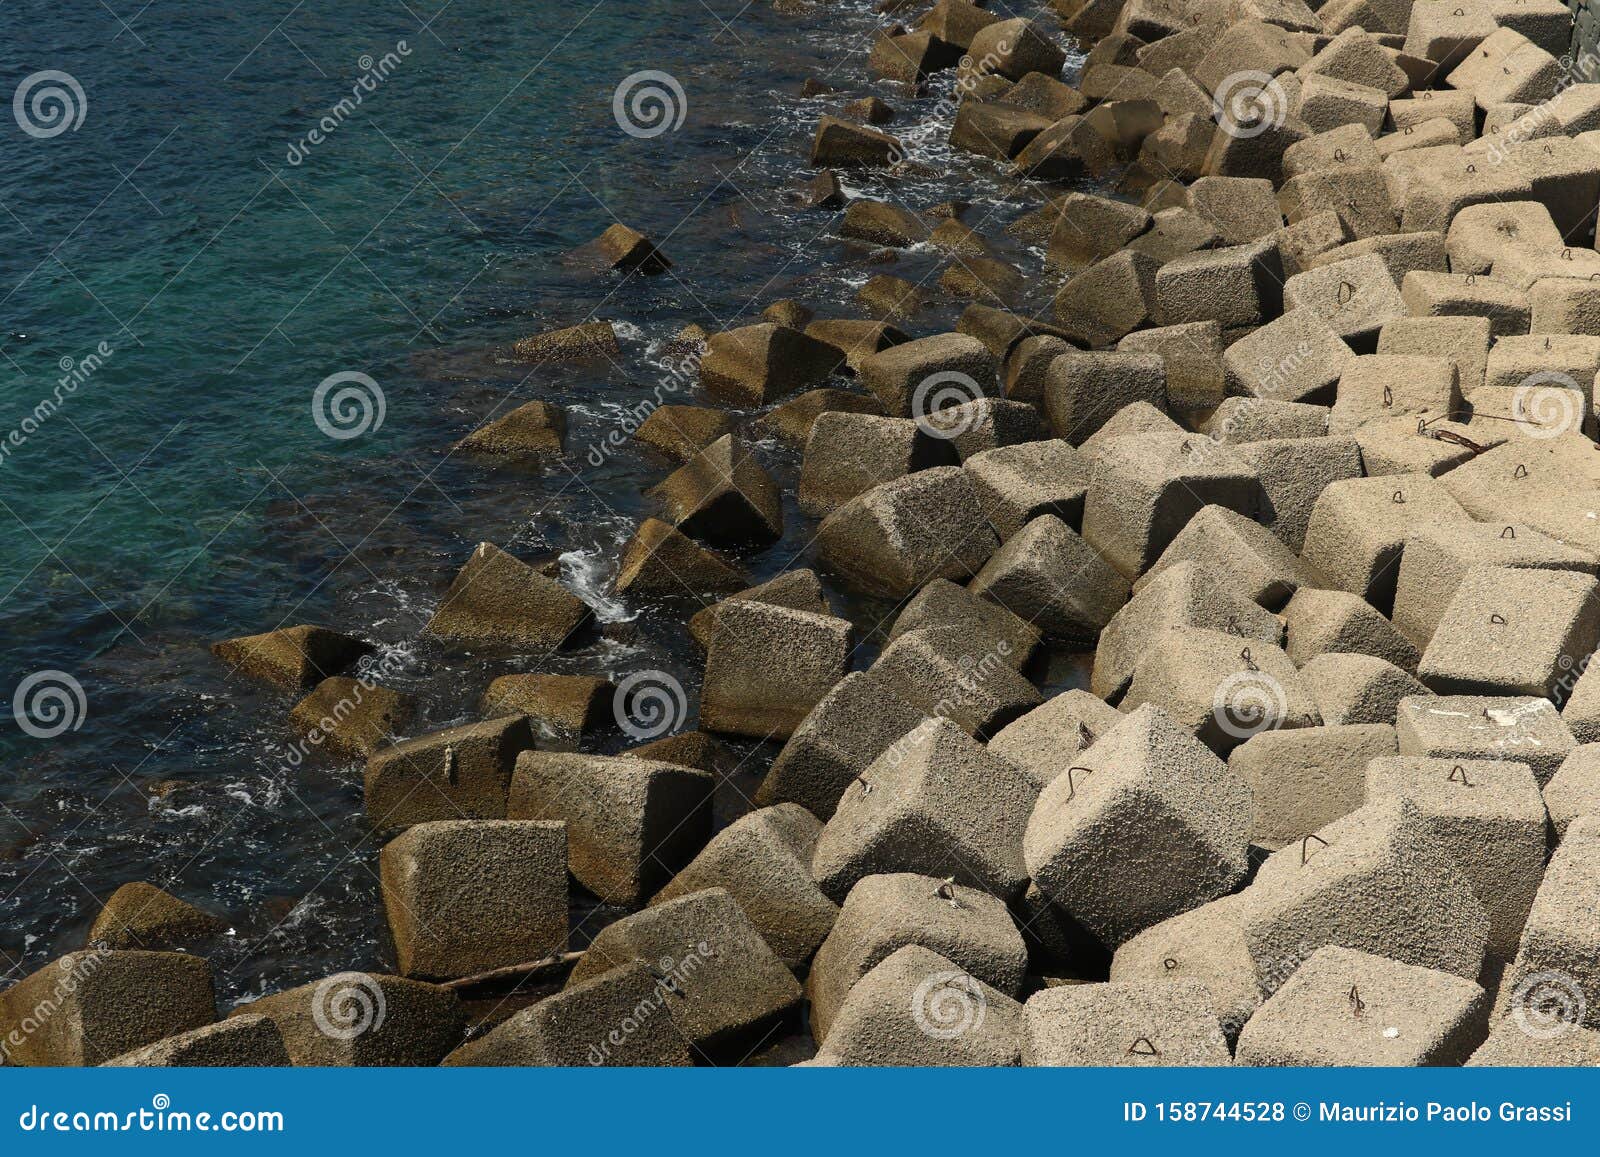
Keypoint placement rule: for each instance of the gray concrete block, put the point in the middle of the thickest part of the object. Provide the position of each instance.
(1123, 1024)
(1043, 743)
(1521, 729)
(1321, 622)
(1304, 779)
(1261, 565)
(1351, 688)
(1050, 577)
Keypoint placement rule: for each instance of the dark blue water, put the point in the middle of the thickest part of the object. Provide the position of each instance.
(180, 272)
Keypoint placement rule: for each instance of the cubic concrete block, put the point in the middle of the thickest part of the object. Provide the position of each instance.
(629, 823)
(617, 1018)
(1514, 631)
(904, 375)
(1340, 146)
(86, 1008)
(1188, 593)
(661, 560)
(1295, 358)
(937, 804)
(1326, 102)
(499, 601)
(1352, 688)
(726, 983)
(1359, 527)
(1239, 285)
(758, 364)
(1445, 180)
(570, 704)
(1480, 234)
(917, 1007)
(1507, 66)
(1575, 789)
(294, 658)
(902, 534)
(1377, 880)
(935, 670)
(1305, 779)
(1224, 689)
(723, 497)
(1043, 743)
(1017, 484)
(681, 432)
(1294, 472)
(1555, 978)
(1259, 564)
(1457, 294)
(768, 666)
(1300, 244)
(798, 590)
(1401, 252)
(1193, 356)
(884, 913)
(1146, 792)
(1355, 298)
(1088, 228)
(847, 730)
(468, 896)
(1134, 418)
(1512, 1046)
(1464, 340)
(1144, 489)
(1523, 730)
(1321, 622)
(460, 772)
(842, 145)
(1489, 814)
(335, 1021)
(237, 1042)
(1109, 299)
(848, 454)
(1347, 1007)
(1360, 197)
(1050, 577)
(1125, 1023)
(1437, 558)
(1083, 390)
(1381, 386)
(763, 859)
(1429, 104)
(1204, 946)
(983, 627)
(141, 915)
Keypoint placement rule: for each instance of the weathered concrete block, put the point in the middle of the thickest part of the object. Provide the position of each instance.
(1381, 386)
(629, 823)
(849, 728)
(1377, 880)
(1359, 526)
(335, 1021)
(1320, 622)
(1307, 778)
(842, 145)
(799, 590)
(904, 533)
(1109, 299)
(295, 658)
(617, 1018)
(1150, 781)
(1016, 484)
(1464, 340)
(973, 624)
(1193, 356)
(1295, 358)
(662, 560)
(1555, 979)
(1490, 816)
(726, 983)
(573, 704)
(1351, 688)
(758, 364)
(1326, 102)
(500, 601)
(1525, 730)
(935, 670)
(1346, 1007)
(1082, 391)
(1575, 789)
(1188, 593)
(1512, 1046)
(460, 772)
(1293, 473)
(937, 804)
(1354, 297)
(768, 666)
(1507, 66)
(1126, 1023)
(237, 1042)
(1258, 563)
(848, 454)
(884, 913)
(1514, 631)
(1223, 688)
(467, 896)
(905, 375)
(141, 915)
(1048, 576)
(1239, 285)
(723, 497)
(1455, 294)
(86, 1008)
(1043, 742)
(1204, 946)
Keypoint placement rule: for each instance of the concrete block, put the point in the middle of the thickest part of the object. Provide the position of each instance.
(767, 666)
(1574, 790)
(934, 670)
(1354, 298)
(1293, 473)
(1351, 688)
(1049, 576)
(1463, 294)
(1083, 390)
(1258, 564)
(334, 1022)
(1043, 743)
(1126, 1024)
(1555, 979)
(1306, 778)
(1464, 340)
(1239, 285)
(1322, 622)
(1016, 484)
(1520, 729)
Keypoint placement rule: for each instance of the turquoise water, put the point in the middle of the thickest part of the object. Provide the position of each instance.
(194, 262)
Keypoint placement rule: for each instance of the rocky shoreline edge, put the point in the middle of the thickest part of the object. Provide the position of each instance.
(1299, 443)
